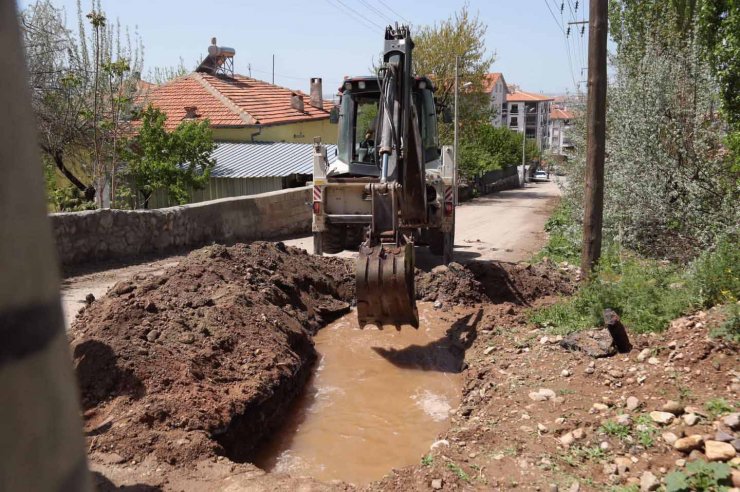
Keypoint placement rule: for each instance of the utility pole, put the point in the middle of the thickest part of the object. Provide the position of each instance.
(454, 144)
(593, 209)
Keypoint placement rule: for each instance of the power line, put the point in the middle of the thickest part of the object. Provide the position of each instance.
(560, 26)
(359, 14)
(394, 12)
(378, 12)
(565, 39)
(359, 19)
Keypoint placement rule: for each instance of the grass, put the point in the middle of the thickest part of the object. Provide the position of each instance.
(427, 460)
(646, 294)
(614, 429)
(730, 328)
(717, 407)
(646, 433)
(455, 468)
(563, 237)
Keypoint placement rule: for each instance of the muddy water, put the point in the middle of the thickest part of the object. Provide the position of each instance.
(377, 400)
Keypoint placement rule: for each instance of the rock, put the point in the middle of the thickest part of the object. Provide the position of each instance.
(542, 428)
(604, 445)
(151, 307)
(673, 407)
(595, 343)
(489, 350)
(690, 419)
(688, 444)
(662, 418)
(610, 469)
(152, 335)
(736, 478)
(672, 345)
(643, 355)
(623, 464)
(670, 438)
(719, 451)
(648, 482)
(736, 444)
(89, 299)
(617, 331)
(696, 455)
(579, 433)
(437, 304)
(623, 419)
(632, 403)
(441, 442)
(187, 338)
(567, 439)
(575, 487)
(536, 396)
(600, 407)
(565, 373)
(653, 361)
(723, 436)
(560, 420)
(589, 370)
(554, 487)
(437, 484)
(681, 463)
(732, 421)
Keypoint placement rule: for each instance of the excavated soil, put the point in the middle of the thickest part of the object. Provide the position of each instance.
(203, 359)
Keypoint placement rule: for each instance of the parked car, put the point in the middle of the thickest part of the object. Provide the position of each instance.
(541, 175)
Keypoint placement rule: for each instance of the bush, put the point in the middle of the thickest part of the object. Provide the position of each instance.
(564, 241)
(716, 274)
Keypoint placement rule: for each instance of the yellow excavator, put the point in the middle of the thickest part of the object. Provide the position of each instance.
(389, 185)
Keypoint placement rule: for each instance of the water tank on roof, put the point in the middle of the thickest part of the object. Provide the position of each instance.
(218, 51)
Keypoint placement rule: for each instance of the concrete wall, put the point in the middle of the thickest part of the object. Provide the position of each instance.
(106, 234)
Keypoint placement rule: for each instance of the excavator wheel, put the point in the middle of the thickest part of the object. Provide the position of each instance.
(385, 286)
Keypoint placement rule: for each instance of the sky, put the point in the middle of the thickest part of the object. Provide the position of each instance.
(335, 38)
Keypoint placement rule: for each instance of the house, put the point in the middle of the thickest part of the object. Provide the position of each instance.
(560, 125)
(495, 86)
(529, 113)
(240, 108)
(248, 168)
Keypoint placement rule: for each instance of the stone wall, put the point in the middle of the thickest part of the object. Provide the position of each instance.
(116, 234)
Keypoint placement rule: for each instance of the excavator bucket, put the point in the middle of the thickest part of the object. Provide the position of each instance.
(385, 286)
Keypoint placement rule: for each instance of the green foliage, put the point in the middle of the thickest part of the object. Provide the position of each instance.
(484, 148)
(716, 274)
(647, 295)
(457, 470)
(700, 476)
(730, 328)
(615, 429)
(717, 407)
(646, 431)
(427, 460)
(175, 161)
(564, 236)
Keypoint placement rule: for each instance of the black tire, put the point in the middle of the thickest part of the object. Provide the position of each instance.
(435, 238)
(355, 235)
(333, 239)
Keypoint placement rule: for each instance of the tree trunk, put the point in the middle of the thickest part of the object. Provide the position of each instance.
(89, 191)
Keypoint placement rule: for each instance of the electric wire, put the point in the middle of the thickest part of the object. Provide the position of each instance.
(394, 12)
(377, 11)
(359, 19)
(359, 14)
(565, 39)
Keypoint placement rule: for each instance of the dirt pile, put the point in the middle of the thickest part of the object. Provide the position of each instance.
(491, 281)
(203, 359)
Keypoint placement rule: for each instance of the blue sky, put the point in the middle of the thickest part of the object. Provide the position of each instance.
(328, 38)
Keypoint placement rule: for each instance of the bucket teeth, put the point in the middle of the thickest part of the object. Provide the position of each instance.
(385, 286)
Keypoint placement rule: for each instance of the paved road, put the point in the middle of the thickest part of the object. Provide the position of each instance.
(505, 226)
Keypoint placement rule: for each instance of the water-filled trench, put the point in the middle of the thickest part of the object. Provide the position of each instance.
(376, 401)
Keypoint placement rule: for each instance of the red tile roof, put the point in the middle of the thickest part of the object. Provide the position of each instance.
(226, 101)
(490, 80)
(560, 114)
(521, 96)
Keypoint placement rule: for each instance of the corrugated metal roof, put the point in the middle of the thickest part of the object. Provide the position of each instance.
(262, 159)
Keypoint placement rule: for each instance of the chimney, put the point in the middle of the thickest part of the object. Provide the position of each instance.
(296, 102)
(191, 112)
(316, 98)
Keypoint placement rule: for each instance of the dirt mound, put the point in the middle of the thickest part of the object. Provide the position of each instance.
(204, 358)
(490, 281)
(521, 283)
(451, 284)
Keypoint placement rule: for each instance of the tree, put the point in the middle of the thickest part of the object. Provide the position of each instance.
(488, 148)
(82, 91)
(461, 37)
(176, 161)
